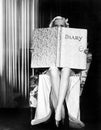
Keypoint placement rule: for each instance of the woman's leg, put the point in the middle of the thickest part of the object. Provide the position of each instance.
(55, 81)
(65, 73)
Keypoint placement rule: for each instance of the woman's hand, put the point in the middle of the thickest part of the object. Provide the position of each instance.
(86, 51)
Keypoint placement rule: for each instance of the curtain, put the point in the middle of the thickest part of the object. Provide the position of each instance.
(18, 19)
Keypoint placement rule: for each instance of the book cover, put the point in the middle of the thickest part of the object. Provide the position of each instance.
(59, 46)
(73, 44)
(44, 47)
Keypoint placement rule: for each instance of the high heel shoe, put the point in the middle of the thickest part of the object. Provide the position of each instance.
(57, 117)
(66, 118)
(63, 124)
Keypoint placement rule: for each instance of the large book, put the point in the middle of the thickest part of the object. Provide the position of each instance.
(59, 46)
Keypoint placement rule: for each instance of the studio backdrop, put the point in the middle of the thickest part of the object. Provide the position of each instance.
(17, 20)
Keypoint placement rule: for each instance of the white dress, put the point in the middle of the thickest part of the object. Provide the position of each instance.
(42, 104)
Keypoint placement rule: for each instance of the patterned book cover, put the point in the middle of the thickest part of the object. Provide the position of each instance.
(44, 47)
(61, 47)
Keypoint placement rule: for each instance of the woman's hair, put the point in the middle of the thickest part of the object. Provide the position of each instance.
(57, 18)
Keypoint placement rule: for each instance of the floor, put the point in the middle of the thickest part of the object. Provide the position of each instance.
(19, 119)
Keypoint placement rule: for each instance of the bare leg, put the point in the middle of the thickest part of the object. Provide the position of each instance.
(55, 80)
(65, 73)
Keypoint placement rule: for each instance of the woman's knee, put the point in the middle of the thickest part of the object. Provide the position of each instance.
(66, 71)
(53, 71)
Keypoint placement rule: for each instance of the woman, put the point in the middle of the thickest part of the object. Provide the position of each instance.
(59, 78)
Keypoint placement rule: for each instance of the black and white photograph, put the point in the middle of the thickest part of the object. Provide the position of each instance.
(50, 64)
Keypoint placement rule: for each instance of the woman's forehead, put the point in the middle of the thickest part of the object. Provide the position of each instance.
(59, 21)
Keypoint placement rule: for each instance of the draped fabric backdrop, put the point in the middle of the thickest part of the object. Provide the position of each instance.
(17, 20)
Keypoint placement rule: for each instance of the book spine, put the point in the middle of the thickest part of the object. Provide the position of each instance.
(58, 47)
